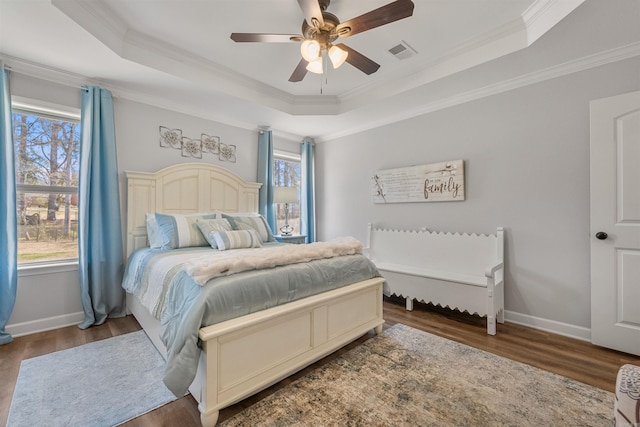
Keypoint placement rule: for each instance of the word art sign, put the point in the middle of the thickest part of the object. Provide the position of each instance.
(437, 182)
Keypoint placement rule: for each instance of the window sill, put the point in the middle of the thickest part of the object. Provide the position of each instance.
(47, 268)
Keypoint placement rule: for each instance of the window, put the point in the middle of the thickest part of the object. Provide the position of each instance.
(286, 173)
(47, 146)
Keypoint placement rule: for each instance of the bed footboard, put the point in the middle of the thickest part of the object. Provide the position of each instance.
(245, 355)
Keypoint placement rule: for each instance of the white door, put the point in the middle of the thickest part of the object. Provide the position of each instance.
(615, 222)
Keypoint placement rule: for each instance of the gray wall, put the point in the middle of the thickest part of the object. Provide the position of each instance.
(526, 156)
(137, 133)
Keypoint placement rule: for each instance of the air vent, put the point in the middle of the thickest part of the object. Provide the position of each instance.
(402, 51)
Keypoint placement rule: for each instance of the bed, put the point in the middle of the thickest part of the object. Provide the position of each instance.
(243, 355)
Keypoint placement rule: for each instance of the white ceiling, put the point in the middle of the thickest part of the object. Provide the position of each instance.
(178, 54)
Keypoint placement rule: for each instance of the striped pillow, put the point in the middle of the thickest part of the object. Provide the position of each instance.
(236, 239)
(257, 223)
(181, 230)
(153, 231)
(208, 227)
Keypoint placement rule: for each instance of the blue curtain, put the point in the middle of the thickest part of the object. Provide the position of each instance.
(265, 176)
(308, 190)
(100, 253)
(8, 236)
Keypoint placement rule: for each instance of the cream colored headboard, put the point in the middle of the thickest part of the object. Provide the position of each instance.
(184, 188)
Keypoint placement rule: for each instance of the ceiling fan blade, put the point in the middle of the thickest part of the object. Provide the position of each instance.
(359, 61)
(312, 12)
(392, 12)
(299, 72)
(266, 38)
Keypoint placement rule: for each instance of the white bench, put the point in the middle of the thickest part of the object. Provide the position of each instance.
(458, 271)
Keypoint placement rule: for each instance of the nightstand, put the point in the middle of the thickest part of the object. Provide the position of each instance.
(297, 239)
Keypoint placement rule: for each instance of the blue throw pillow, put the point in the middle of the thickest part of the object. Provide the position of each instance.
(181, 230)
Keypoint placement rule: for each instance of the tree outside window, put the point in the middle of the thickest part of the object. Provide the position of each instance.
(47, 168)
(286, 173)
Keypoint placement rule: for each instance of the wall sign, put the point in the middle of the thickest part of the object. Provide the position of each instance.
(436, 182)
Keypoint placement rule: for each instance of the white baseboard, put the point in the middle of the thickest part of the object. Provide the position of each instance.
(565, 329)
(47, 324)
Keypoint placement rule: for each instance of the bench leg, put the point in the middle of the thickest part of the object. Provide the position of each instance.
(501, 316)
(409, 303)
(491, 307)
(491, 325)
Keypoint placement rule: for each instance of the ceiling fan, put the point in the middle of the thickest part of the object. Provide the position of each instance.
(320, 29)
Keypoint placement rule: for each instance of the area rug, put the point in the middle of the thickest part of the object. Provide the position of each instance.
(104, 383)
(406, 377)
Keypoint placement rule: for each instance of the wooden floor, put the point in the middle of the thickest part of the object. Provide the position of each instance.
(572, 358)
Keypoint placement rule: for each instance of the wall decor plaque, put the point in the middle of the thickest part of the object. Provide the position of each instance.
(190, 147)
(435, 182)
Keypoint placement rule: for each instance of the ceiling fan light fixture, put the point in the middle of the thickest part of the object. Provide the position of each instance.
(320, 29)
(310, 50)
(315, 66)
(337, 56)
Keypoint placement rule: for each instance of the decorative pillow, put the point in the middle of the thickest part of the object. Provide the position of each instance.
(253, 222)
(181, 231)
(208, 227)
(153, 231)
(236, 239)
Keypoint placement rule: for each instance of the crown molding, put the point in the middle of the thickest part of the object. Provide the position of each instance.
(570, 67)
(154, 99)
(501, 41)
(66, 78)
(99, 19)
(44, 72)
(96, 19)
(543, 15)
(508, 38)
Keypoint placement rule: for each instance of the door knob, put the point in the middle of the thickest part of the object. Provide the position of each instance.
(601, 235)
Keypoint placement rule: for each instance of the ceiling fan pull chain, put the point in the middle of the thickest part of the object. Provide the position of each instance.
(326, 71)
